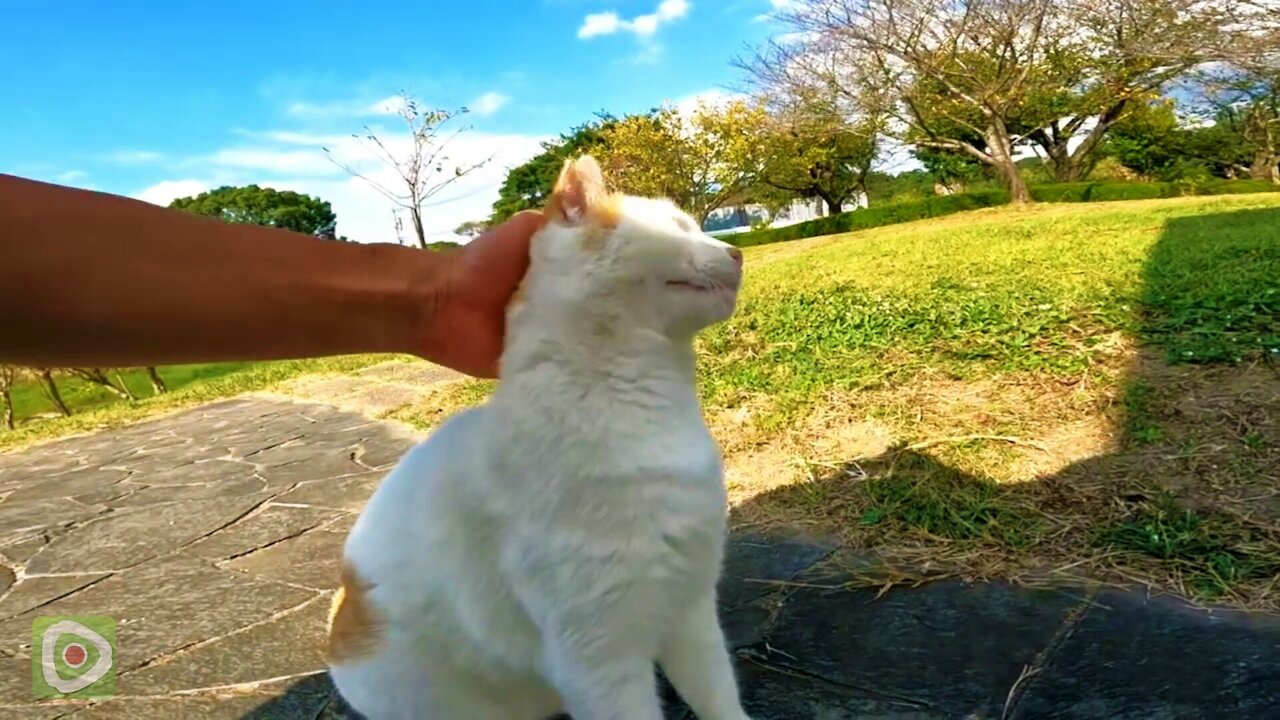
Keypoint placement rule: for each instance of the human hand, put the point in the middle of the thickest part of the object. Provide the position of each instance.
(468, 321)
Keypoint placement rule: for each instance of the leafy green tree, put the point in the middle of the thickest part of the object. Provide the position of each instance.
(1111, 57)
(256, 205)
(528, 186)
(701, 161)
(471, 229)
(945, 71)
(810, 149)
(1245, 100)
(1149, 140)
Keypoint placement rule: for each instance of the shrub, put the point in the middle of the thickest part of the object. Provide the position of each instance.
(895, 212)
(876, 216)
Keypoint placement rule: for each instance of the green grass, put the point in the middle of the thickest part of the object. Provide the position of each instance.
(1212, 549)
(29, 399)
(1060, 297)
(906, 210)
(189, 385)
(999, 291)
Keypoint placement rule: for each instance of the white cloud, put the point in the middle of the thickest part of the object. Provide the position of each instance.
(166, 191)
(599, 24)
(71, 176)
(778, 6)
(307, 162)
(608, 23)
(346, 108)
(132, 157)
(713, 97)
(488, 103)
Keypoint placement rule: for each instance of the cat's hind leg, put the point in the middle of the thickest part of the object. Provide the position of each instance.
(696, 660)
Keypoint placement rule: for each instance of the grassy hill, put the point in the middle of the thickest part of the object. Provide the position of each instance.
(1084, 390)
(1065, 390)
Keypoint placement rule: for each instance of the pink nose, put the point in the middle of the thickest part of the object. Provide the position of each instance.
(736, 254)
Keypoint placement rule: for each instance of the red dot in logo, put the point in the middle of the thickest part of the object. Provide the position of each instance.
(74, 655)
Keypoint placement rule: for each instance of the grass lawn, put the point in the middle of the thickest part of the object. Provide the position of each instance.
(94, 408)
(1058, 391)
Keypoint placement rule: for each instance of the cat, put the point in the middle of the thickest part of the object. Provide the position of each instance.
(538, 554)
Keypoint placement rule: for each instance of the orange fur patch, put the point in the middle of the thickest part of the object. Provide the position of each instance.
(354, 625)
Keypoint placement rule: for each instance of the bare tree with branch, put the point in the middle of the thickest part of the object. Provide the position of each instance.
(50, 388)
(99, 377)
(954, 75)
(424, 168)
(8, 376)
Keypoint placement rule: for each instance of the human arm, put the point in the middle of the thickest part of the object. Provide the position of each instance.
(97, 280)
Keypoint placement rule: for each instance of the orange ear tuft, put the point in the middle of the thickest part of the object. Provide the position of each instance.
(579, 190)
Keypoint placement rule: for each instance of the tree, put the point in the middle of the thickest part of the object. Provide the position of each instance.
(266, 206)
(528, 186)
(471, 229)
(8, 375)
(1245, 101)
(811, 149)
(936, 66)
(700, 161)
(423, 168)
(158, 386)
(1112, 56)
(98, 376)
(50, 388)
(1149, 140)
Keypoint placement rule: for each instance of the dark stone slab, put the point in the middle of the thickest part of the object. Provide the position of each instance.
(167, 472)
(754, 564)
(127, 537)
(288, 645)
(176, 708)
(1130, 659)
(32, 592)
(163, 606)
(349, 493)
(950, 647)
(19, 519)
(311, 560)
(267, 526)
(772, 694)
(18, 551)
(312, 697)
(64, 486)
(246, 485)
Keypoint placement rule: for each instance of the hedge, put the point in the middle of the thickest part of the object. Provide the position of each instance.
(937, 206)
(887, 214)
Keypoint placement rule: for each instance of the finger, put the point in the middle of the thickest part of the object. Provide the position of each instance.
(502, 253)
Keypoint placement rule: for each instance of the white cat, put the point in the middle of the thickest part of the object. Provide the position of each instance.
(538, 554)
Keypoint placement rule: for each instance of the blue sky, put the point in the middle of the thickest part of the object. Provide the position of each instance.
(161, 99)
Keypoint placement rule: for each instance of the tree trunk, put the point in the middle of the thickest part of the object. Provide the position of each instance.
(415, 214)
(51, 391)
(157, 383)
(1000, 148)
(8, 408)
(834, 204)
(124, 387)
(1265, 166)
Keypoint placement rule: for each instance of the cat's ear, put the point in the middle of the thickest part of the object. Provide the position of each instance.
(579, 190)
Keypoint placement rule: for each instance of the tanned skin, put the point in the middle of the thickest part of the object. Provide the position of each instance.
(89, 279)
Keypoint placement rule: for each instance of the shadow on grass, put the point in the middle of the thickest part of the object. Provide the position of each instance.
(1188, 499)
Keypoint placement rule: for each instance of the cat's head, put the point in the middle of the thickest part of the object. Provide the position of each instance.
(640, 262)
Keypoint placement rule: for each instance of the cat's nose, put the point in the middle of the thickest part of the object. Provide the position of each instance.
(736, 254)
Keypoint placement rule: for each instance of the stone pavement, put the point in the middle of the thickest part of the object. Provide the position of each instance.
(213, 537)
